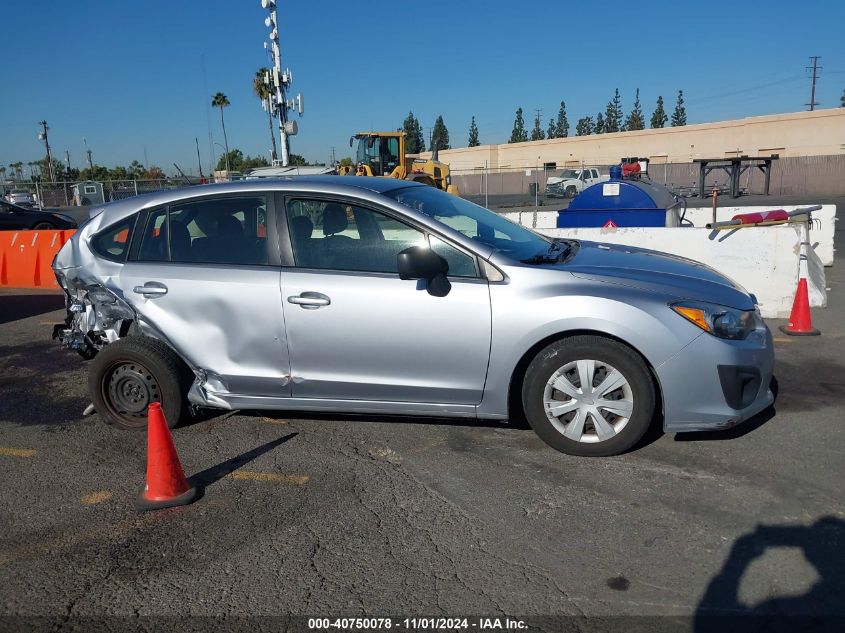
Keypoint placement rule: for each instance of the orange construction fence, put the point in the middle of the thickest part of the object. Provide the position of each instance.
(26, 256)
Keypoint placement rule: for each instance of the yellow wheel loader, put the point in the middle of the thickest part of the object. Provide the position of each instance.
(383, 154)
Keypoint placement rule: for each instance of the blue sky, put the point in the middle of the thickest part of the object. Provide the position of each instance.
(128, 76)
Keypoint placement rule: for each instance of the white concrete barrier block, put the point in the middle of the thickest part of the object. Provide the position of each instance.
(821, 236)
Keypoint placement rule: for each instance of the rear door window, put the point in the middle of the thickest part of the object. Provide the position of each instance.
(230, 230)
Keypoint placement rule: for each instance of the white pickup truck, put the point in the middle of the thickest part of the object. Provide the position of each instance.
(571, 182)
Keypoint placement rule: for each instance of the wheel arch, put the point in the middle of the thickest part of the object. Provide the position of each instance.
(515, 411)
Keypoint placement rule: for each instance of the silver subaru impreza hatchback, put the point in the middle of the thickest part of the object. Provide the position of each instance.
(381, 296)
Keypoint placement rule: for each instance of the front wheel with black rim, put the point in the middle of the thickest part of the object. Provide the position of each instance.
(589, 395)
(130, 374)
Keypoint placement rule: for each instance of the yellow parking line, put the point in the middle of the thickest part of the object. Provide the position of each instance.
(251, 475)
(17, 452)
(272, 421)
(97, 497)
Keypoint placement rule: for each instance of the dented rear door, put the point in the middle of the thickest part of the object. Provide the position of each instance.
(214, 292)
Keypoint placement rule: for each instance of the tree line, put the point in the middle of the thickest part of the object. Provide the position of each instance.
(613, 119)
(38, 171)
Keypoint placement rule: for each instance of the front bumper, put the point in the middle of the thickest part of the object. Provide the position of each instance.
(715, 384)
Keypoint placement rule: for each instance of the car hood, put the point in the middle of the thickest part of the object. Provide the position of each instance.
(657, 272)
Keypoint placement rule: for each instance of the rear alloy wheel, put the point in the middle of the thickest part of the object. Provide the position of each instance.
(130, 374)
(589, 395)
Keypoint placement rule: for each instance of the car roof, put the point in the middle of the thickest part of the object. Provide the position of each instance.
(337, 185)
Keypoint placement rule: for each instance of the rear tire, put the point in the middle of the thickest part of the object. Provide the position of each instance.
(43, 226)
(596, 422)
(129, 374)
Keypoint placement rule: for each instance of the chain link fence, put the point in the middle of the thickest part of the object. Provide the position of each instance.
(86, 193)
(524, 186)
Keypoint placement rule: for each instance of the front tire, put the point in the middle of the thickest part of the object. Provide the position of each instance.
(128, 375)
(570, 192)
(589, 396)
(43, 226)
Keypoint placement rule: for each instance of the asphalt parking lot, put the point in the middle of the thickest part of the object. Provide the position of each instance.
(326, 516)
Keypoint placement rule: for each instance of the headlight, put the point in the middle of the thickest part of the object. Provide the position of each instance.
(717, 320)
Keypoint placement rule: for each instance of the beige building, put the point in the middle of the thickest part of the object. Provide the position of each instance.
(796, 134)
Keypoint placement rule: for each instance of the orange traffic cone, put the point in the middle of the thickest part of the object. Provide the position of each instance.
(800, 320)
(166, 484)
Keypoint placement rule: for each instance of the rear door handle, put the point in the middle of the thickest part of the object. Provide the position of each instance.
(151, 289)
(310, 300)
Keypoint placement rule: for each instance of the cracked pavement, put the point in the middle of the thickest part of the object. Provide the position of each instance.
(413, 517)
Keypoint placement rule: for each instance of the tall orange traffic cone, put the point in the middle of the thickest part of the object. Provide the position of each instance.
(166, 484)
(800, 320)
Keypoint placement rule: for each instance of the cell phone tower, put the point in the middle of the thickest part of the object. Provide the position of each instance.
(279, 82)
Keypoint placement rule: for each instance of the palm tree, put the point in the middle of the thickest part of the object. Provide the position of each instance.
(17, 167)
(221, 101)
(262, 91)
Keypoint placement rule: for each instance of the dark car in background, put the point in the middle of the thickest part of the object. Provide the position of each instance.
(13, 217)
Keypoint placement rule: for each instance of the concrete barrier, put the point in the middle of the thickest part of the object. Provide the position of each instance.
(764, 260)
(535, 219)
(26, 257)
(821, 236)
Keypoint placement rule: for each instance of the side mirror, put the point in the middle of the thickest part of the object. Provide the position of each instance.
(419, 262)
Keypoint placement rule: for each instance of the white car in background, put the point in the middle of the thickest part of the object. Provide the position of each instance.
(21, 197)
(571, 182)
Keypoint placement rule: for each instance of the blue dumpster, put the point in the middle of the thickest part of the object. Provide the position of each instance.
(621, 203)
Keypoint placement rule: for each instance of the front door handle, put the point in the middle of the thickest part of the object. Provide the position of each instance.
(310, 300)
(151, 289)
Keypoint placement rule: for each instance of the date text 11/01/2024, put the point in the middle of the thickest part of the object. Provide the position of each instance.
(416, 624)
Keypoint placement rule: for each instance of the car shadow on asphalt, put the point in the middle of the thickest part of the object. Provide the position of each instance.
(209, 476)
(818, 609)
(23, 306)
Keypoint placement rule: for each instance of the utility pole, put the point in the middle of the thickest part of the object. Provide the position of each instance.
(815, 68)
(334, 162)
(90, 161)
(199, 160)
(280, 82)
(67, 162)
(43, 137)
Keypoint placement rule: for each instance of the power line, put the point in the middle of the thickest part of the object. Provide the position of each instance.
(815, 68)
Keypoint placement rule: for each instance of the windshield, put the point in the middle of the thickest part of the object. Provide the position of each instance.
(473, 221)
(380, 153)
(570, 173)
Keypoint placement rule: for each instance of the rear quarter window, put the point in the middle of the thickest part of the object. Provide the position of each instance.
(113, 242)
